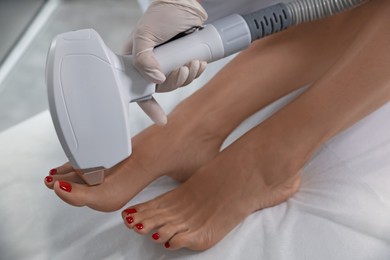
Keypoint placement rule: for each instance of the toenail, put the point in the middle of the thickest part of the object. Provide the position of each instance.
(167, 245)
(49, 179)
(156, 236)
(53, 171)
(65, 186)
(129, 220)
(130, 211)
(139, 226)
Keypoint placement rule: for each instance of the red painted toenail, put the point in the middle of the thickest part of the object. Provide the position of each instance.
(65, 186)
(49, 179)
(129, 220)
(139, 226)
(53, 171)
(167, 245)
(156, 236)
(130, 211)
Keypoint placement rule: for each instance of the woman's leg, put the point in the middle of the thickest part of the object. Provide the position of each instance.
(198, 126)
(261, 169)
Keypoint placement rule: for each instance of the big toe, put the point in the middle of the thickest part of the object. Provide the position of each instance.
(197, 241)
(68, 177)
(70, 192)
(103, 197)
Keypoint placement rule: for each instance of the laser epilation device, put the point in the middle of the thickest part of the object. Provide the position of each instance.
(90, 87)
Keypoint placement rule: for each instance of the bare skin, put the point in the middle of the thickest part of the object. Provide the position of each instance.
(261, 169)
(182, 146)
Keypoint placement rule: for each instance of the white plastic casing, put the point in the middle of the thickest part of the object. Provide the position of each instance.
(89, 88)
(88, 99)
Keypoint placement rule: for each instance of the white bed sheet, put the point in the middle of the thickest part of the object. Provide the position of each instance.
(342, 210)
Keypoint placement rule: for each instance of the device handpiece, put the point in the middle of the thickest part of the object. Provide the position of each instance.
(90, 87)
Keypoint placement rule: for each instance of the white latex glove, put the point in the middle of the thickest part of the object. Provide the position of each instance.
(163, 20)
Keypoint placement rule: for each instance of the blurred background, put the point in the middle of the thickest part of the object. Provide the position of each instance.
(26, 30)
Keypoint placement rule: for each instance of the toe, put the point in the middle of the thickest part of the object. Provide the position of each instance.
(131, 216)
(49, 181)
(166, 232)
(70, 177)
(191, 240)
(177, 241)
(63, 169)
(70, 192)
(141, 222)
(144, 226)
(132, 220)
(139, 228)
(129, 221)
(129, 211)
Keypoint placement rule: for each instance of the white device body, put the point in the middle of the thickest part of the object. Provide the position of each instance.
(89, 88)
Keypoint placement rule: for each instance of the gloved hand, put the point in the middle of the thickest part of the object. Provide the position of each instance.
(163, 20)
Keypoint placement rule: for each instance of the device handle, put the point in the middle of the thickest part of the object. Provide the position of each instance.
(210, 43)
(203, 44)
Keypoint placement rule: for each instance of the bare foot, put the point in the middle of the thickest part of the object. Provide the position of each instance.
(261, 169)
(198, 126)
(255, 172)
(180, 146)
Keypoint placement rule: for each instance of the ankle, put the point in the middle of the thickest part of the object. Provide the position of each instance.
(278, 148)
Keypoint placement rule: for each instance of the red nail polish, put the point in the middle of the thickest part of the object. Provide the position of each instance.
(53, 171)
(129, 220)
(156, 236)
(139, 226)
(130, 211)
(167, 245)
(65, 186)
(49, 179)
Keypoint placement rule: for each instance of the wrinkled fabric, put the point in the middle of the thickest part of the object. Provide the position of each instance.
(341, 210)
